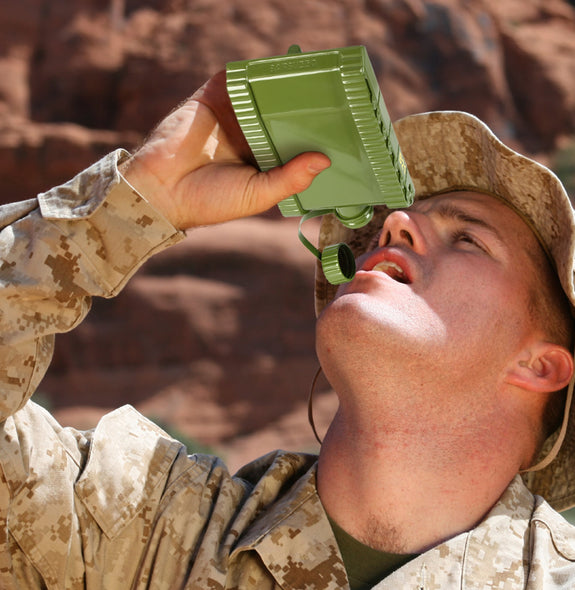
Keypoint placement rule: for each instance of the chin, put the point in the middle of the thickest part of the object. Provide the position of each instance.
(350, 323)
(353, 309)
(360, 323)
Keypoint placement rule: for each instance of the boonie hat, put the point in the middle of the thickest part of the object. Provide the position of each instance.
(450, 151)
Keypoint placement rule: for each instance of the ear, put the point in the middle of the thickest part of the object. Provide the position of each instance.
(544, 367)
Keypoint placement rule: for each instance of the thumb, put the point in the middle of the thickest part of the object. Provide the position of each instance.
(294, 176)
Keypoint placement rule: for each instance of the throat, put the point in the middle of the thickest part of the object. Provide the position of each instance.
(397, 493)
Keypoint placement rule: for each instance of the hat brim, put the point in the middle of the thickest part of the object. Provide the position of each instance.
(449, 151)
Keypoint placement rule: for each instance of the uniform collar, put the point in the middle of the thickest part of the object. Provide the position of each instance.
(295, 541)
(493, 554)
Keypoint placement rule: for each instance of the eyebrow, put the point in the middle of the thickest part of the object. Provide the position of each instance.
(451, 212)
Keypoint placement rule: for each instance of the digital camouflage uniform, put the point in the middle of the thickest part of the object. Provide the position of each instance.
(123, 506)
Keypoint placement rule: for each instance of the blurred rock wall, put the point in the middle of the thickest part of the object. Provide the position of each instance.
(216, 336)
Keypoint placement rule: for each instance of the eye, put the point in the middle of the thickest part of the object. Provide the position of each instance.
(464, 237)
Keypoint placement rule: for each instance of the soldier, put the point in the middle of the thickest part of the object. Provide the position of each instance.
(450, 353)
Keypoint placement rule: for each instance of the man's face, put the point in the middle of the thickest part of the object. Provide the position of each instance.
(444, 298)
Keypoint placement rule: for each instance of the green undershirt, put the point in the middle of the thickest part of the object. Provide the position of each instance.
(364, 565)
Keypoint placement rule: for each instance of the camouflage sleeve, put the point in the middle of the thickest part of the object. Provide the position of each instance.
(81, 239)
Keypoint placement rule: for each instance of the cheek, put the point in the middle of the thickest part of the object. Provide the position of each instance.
(488, 311)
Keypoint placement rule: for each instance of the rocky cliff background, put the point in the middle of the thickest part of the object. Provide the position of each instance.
(214, 338)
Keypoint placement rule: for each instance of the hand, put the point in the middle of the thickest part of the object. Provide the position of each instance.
(197, 169)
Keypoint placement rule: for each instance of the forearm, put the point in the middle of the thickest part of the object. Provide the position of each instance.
(82, 239)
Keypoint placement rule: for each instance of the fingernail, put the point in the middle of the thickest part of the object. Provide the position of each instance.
(317, 167)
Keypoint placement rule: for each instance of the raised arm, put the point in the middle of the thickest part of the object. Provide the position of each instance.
(88, 236)
(84, 238)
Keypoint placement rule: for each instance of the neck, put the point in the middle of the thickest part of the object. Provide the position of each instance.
(405, 488)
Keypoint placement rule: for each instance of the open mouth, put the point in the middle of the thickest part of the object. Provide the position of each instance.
(392, 270)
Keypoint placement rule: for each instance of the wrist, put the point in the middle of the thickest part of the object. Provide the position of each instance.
(148, 187)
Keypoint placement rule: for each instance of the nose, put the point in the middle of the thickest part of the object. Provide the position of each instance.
(401, 228)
